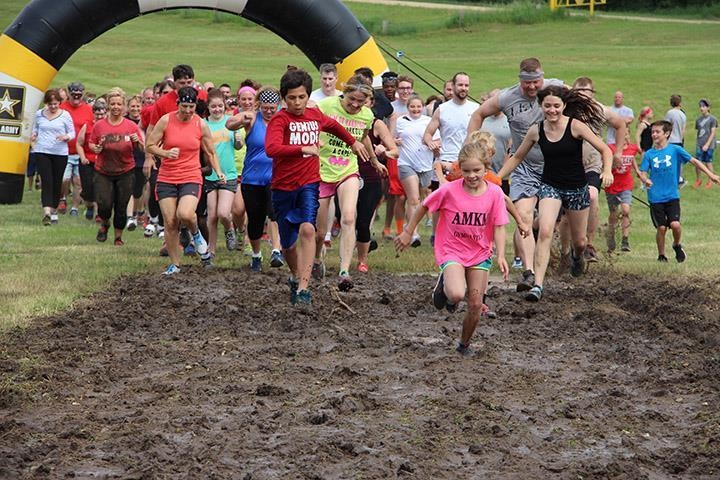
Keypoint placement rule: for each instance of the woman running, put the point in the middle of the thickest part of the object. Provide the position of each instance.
(88, 158)
(182, 135)
(52, 130)
(136, 205)
(643, 135)
(560, 136)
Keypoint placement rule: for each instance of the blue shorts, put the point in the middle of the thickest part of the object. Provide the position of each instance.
(572, 199)
(294, 208)
(485, 265)
(705, 157)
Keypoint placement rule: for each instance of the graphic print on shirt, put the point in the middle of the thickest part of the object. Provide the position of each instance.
(304, 133)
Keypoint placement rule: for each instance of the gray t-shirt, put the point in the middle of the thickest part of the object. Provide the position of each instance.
(678, 119)
(522, 112)
(621, 112)
(498, 126)
(704, 126)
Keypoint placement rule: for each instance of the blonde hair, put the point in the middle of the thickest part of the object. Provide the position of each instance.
(476, 150)
(115, 92)
(484, 138)
(136, 98)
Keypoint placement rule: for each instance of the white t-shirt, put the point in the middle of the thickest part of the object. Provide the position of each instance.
(454, 119)
(413, 152)
(621, 112)
(399, 108)
(678, 120)
(318, 95)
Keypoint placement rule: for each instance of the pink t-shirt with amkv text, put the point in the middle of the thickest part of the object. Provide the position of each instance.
(467, 223)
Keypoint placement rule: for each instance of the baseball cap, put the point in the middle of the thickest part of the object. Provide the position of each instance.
(76, 87)
(704, 103)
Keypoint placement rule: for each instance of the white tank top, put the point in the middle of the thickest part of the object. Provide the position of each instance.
(454, 120)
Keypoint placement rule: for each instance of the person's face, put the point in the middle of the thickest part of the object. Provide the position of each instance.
(184, 82)
(63, 95)
(99, 113)
(116, 106)
(53, 105)
(328, 79)
(461, 87)
(658, 135)
(246, 100)
(390, 89)
(531, 87)
(216, 107)
(473, 171)
(415, 108)
(585, 90)
(148, 97)
(619, 98)
(296, 100)
(226, 92)
(186, 110)
(448, 91)
(267, 110)
(354, 101)
(76, 98)
(704, 109)
(404, 90)
(552, 107)
(134, 108)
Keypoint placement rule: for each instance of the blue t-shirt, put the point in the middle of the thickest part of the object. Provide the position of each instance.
(664, 167)
(258, 166)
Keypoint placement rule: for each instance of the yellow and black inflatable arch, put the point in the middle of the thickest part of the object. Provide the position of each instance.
(47, 33)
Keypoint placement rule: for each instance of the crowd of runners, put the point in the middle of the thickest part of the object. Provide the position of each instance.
(296, 167)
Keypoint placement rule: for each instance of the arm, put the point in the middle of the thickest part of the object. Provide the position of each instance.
(488, 109)
(700, 165)
(638, 133)
(711, 140)
(511, 164)
(69, 128)
(513, 211)
(392, 124)
(499, 239)
(241, 120)
(80, 145)
(155, 138)
(430, 130)
(618, 123)
(388, 146)
(209, 149)
(581, 130)
(403, 240)
(137, 139)
(149, 159)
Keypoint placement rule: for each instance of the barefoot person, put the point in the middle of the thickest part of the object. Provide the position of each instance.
(472, 220)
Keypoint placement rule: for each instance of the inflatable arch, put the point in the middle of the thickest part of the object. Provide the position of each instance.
(47, 33)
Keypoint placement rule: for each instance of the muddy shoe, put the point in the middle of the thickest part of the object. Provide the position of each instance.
(527, 282)
(680, 255)
(625, 244)
(464, 350)
(416, 242)
(534, 294)
(486, 312)
(102, 233)
(303, 297)
(230, 240)
(451, 307)
(577, 265)
(662, 259)
(439, 299)
(611, 243)
(256, 264)
(590, 255)
(276, 259)
(293, 284)
(345, 283)
(318, 271)
(46, 220)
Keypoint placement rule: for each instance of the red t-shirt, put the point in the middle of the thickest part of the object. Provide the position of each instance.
(622, 175)
(89, 154)
(285, 137)
(116, 156)
(145, 115)
(166, 104)
(80, 115)
(187, 136)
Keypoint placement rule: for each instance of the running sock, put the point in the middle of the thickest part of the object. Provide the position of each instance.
(399, 226)
(257, 255)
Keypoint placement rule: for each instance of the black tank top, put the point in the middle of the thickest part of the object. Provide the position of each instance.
(563, 160)
(366, 170)
(646, 137)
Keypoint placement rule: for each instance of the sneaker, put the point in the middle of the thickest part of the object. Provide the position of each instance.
(373, 245)
(527, 282)
(387, 235)
(185, 237)
(98, 219)
(697, 183)
(486, 312)
(189, 251)
(590, 255)
(534, 294)
(335, 230)
(345, 284)
(577, 265)
(611, 243)
(172, 269)
(709, 184)
(230, 240)
(363, 267)
(680, 255)
(318, 270)
(303, 297)
(102, 233)
(451, 307)
(464, 350)
(207, 261)
(62, 207)
(517, 263)
(293, 284)
(416, 242)
(53, 219)
(662, 259)
(119, 242)
(160, 231)
(428, 222)
(149, 230)
(74, 212)
(200, 244)
(682, 182)
(131, 224)
(256, 264)
(89, 214)
(625, 244)
(276, 259)
(439, 299)
(239, 238)
(432, 240)
(46, 220)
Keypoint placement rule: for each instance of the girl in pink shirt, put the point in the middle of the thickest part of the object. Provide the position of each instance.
(472, 216)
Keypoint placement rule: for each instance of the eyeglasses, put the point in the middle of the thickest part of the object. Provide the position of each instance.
(405, 88)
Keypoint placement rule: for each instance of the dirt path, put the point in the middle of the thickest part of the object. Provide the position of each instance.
(600, 380)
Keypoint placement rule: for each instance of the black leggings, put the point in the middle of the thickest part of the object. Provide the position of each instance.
(113, 193)
(51, 169)
(87, 182)
(258, 205)
(139, 182)
(368, 199)
(153, 204)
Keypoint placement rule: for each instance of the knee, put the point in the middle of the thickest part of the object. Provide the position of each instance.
(662, 229)
(675, 225)
(348, 219)
(546, 232)
(454, 293)
(307, 232)
(185, 216)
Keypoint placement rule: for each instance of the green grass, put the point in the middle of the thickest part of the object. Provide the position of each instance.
(44, 270)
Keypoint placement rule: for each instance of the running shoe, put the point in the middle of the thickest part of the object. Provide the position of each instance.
(590, 255)
(439, 299)
(172, 269)
(318, 270)
(534, 294)
(527, 282)
(160, 231)
(293, 284)
(185, 237)
(207, 261)
(53, 218)
(200, 244)
(335, 230)
(102, 233)
(276, 259)
(625, 244)
(256, 264)
(131, 224)
(363, 267)
(303, 297)
(149, 230)
(662, 259)
(119, 242)
(697, 183)
(89, 213)
(517, 263)
(611, 243)
(464, 350)
(577, 265)
(62, 206)
(486, 312)
(74, 212)
(373, 245)
(386, 234)
(46, 220)
(428, 222)
(230, 239)
(451, 307)
(680, 255)
(239, 238)
(709, 184)
(189, 251)
(682, 182)
(345, 283)
(416, 242)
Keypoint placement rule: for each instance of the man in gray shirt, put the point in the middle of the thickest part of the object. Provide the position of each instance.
(678, 120)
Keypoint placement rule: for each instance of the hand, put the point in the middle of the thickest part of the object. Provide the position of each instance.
(704, 148)
(380, 149)
(359, 149)
(62, 138)
(221, 178)
(33, 138)
(148, 166)
(435, 145)
(648, 183)
(523, 229)
(715, 179)
(402, 241)
(502, 264)
(310, 151)
(134, 138)
(607, 179)
(173, 153)
(381, 169)
(84, 160)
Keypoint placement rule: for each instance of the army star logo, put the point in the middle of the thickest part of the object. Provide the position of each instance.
(7, 104)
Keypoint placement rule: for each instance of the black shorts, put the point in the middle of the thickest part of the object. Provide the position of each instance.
(434, 185)
(593, 180)
(176, 190)
(664, 213)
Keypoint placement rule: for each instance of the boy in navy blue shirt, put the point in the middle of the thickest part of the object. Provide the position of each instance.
(663, 164)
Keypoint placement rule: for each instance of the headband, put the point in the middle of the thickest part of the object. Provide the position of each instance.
(187, 98)
(269, 96)
(531, 76)
(247, 88)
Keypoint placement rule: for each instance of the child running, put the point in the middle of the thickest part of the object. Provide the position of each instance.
(619, 195)
(660, 172)
(472, 218)
(292, 143)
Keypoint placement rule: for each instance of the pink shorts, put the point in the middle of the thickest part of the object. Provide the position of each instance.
(329, 189)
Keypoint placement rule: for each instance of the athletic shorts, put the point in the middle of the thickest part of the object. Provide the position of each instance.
(572, 199)
(293, 208)
(485, 265)
(396, 187)
(212, 185)
(524, 183)
(664, 213)
(405, 171)
(705, 157)
(615, 199)
(176, 190)
(72, 168)
(329, 189)
(593, 180)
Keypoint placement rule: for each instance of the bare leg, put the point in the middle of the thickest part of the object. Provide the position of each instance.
(548, 212)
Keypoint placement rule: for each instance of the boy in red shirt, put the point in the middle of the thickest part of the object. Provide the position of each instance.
(619, 194)
(291, 141)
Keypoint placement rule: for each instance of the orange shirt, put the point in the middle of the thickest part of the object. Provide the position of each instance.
(456, 173)
(186, 136)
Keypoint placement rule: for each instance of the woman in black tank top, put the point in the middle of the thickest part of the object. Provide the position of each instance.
(568, 120)
(643, 134)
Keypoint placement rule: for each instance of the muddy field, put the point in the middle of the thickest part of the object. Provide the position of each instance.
(213, 375)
